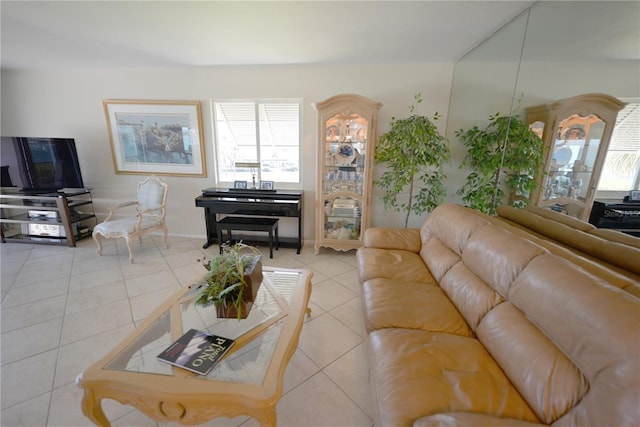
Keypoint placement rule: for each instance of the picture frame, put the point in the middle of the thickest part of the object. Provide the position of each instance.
(634, 195)
(266, 185)
(240, 185)
(156, 137)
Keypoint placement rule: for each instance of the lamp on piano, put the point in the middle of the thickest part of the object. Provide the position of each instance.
(251, 165)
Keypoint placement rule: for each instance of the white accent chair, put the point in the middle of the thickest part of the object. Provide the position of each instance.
(150, 210)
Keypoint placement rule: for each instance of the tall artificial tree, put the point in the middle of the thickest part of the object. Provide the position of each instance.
(414, 153)
(503, 159)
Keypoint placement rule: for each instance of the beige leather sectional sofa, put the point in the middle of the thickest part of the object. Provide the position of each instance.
(470, 324)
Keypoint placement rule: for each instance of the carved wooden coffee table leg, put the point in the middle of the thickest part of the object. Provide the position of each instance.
(92, 409)
(268, 418)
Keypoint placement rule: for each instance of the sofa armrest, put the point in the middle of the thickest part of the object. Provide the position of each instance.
(406, 239)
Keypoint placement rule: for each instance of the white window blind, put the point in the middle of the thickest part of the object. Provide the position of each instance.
(621, 169)
(257, 131)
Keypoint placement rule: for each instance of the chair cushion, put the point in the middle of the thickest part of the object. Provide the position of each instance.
(125, 226)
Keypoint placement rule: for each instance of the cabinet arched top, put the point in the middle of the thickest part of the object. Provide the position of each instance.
(599, 104)
(345, 103)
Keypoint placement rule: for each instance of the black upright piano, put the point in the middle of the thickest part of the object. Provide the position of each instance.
(282, 203)
(623, 217)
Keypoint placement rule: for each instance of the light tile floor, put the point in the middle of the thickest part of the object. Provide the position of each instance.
(63, 308)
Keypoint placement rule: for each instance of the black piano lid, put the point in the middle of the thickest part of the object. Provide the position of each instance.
(252, 193)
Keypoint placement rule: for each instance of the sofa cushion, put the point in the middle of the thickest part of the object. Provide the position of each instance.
(497, 256)
(451, 224)
(406, 239)
(468, 419)
(391, 264)
(412, 305)
(471, 296)
(550, 382)
(416, 373)
(596, 326)
(438, 257)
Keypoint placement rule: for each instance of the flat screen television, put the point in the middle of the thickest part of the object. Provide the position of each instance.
(39, 164)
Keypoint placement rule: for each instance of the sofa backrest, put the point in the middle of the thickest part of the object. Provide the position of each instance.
(616, 236)
(613, 274)
(571, 221)
(474, 262)
(567, 340)
(619, 254)
(605, 233)
(584, 335)
(452, 225)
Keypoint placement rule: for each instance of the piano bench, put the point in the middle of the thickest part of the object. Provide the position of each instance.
(237, 223)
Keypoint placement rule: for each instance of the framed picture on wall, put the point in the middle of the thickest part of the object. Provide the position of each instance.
(156, 137)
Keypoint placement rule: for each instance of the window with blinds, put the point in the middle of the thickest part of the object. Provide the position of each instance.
(621, 169)
(264, 132)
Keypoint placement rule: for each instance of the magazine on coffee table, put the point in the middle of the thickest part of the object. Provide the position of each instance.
(196, 351)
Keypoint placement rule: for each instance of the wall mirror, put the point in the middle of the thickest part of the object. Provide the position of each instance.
(551, 51)
(483, 84)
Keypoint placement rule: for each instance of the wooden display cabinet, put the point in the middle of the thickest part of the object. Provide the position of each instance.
(576, 133)
(346, 143)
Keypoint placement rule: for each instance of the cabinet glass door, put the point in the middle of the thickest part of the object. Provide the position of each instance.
(573, 160)
(344, 175)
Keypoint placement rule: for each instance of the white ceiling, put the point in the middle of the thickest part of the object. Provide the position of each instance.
(39, 34)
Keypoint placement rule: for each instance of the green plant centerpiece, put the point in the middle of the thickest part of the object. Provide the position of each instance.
(503, 160)
(232, 280)
(414, 153)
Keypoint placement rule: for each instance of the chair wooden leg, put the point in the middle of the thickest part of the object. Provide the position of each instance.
(96, 238)
(130, 246)
(165, 232)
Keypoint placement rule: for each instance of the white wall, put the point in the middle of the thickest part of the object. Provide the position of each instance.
(68, 103)
(541, 83)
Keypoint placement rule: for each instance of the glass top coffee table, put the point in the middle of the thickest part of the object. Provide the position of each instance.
(248, 381)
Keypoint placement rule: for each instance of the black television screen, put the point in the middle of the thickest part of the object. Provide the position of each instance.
(40, 164)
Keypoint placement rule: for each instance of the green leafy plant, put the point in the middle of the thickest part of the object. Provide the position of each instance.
(503, 159)
(225, 281)
(414, 153)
